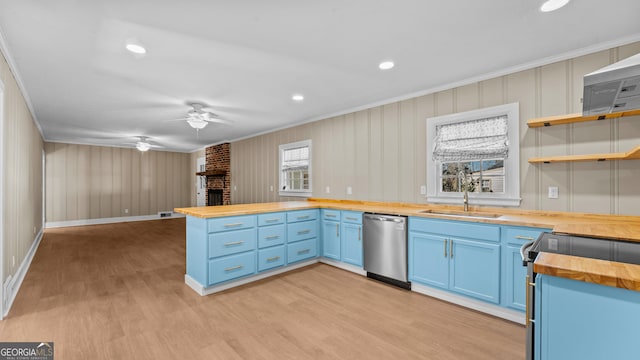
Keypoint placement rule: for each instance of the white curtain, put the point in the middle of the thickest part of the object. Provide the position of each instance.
(472, 140)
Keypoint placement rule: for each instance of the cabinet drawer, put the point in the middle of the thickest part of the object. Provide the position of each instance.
(271, 219)
(353, 217)
(328, 214)
(302, 250)
(231, 267)
(271, 235)
(521, 235)
(487, 232)
(231, 242)
(302, 215)
(231, 223)
(302, 230)
(270, 258)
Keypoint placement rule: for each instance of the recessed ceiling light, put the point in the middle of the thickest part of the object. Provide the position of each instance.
(552, 5)
(297, 97)
(136, 49)
(386, 65)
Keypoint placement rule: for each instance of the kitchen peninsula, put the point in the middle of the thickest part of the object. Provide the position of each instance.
(235, 244)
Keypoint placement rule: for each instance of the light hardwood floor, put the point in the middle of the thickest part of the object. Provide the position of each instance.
(117, 292)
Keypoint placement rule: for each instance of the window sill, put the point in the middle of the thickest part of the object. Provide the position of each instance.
(295, 193)
(475, 201)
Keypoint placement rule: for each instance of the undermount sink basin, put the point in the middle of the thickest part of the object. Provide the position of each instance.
(473, 214)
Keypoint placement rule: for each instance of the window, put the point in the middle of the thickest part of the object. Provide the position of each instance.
(295, 169)
(477, 151)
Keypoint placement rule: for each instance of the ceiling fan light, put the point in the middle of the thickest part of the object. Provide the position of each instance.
(552, 5)
(143, 146)
(197, 123)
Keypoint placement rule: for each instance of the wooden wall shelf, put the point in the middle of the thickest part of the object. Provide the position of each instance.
(630, 155)
(212, 173)
(577, 117)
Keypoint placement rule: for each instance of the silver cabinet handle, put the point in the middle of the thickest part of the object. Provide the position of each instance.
(524, 237)
(272, 237)
(303, 251)
(234, 268)
(234, 243)
(302, 217)
(337, 227)
(273, 258)
(329, 215)
(351, 218)
(359, 229)
(451, 248)
(445, 247)
(271, 220)
(302, 232)
(233, 224)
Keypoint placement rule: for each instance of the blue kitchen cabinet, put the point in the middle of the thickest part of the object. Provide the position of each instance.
(429, 259)
(351, 241)
(581, 320)
(513, 273)
(271, 239)
(302, 235)
(457, 256)
(331, 234)
(221, 249)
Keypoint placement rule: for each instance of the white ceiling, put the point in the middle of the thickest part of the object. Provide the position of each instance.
(245, 58)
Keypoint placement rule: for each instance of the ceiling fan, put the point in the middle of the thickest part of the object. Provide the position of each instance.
(143, 144)
(198, 118)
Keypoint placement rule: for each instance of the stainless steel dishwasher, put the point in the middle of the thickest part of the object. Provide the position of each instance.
(385, 248)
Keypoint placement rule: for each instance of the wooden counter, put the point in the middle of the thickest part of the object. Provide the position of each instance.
(603, 272)
(583, 224)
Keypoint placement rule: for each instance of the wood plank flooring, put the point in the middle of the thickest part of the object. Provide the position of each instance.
(117, 292)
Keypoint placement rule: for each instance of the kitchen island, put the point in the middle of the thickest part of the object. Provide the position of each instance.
(235, 244)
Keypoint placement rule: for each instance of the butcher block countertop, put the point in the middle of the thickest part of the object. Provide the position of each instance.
(583, 224)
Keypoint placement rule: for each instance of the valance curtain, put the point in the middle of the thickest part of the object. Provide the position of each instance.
(472, 140)
(295, 159)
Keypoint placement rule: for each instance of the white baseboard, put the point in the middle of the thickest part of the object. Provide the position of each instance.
(200, 289)
(15, 282)
(111, 220)
(344, 266)
(495, 310)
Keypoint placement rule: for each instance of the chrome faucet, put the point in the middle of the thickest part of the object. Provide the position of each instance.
(465, 187)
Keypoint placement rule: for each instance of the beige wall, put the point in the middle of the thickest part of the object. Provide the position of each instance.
(22, 175)
(90, 182)
(381, 152)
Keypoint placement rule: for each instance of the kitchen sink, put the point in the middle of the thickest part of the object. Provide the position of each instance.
(469, 214)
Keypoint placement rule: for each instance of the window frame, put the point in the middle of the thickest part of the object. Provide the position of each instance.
(281, 149)
(511, 196)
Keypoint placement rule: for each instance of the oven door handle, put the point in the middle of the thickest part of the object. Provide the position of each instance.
(523, 250)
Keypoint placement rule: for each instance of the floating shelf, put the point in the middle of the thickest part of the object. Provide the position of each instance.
(577, 117)
(212, 173)
(631, 155)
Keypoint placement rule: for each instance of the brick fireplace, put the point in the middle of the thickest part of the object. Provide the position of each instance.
(218, 158)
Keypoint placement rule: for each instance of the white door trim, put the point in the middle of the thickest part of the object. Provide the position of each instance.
(2, 294)
(200, 166)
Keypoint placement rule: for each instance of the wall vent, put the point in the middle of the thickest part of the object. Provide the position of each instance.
(164, 214)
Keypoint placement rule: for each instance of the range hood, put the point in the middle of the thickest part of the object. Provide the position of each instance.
(613, 88)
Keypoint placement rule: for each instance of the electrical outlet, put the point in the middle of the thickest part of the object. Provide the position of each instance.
(34, 230)
(13, 260)
(349, 190)
(423, 190)
(126, 211)
(327, 190)
(553, 192)
(270, 187)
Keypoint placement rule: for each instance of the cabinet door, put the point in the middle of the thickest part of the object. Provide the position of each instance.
(331, 239)
(515, 273)
(352, 244)
(429, 259)
(475, 269)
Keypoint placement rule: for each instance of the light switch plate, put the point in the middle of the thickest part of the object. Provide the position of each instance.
(553, 192)
(349, 190)
(327, 190)
(423, 190)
